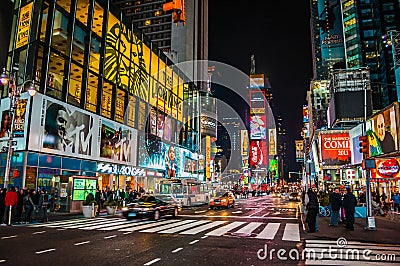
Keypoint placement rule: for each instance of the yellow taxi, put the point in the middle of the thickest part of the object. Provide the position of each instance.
(222, 200)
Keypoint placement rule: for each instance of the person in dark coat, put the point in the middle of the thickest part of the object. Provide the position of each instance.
(2, 204)
(335, 200)
(349, 205)
(97, 198)
(20, 205)
(312, 209)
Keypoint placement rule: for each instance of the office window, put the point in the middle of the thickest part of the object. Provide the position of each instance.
(45, 13)
(106, 100)
(91, 93)
(120, 106)
(82, 11)
(98, 19)
(94, 59)
(142, 115)
(60, 40)
(78, 45)
(75, 85)
(131, 111)
(56, 76)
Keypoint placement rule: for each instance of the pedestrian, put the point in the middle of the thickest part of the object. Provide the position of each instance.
(43, 204)
(97, 198)
(35, 199)
(20, 205)
(396, 202)
(311, 200)
(335, 200)
(2, 205)
(29, 205)
(11, 202)
(349, 205)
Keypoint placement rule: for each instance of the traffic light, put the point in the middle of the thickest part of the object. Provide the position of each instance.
(364, 145)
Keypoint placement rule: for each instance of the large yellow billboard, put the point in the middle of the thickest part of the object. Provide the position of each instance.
(24, 25)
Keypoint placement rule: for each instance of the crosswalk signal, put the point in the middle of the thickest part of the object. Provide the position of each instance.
(364, 145)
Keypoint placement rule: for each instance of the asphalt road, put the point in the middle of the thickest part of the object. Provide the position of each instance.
(198, 236)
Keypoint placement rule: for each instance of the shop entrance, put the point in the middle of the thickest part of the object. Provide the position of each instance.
(61, 188)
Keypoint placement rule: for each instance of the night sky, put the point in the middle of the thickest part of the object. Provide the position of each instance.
(278, 34)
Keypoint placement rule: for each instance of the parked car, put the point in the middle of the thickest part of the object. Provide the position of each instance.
(152, 206)
(222, 199)
(294, 196)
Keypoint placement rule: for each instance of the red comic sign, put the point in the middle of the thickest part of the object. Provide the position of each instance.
(335, 149)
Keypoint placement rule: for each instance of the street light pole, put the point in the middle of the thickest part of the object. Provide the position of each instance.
(15, 95)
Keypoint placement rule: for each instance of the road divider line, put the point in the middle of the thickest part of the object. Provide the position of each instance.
(7, 237)
(108, 237)
(127, 233)
(40, 232)
(194, 241)
(81, 243)
(61, 229)
(2, 261)
(204, 237)
(265, 214)
(151, 262)
(45, 251)
(176, 250)
(200, 211)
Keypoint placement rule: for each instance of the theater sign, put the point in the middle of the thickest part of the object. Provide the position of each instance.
(334, 148)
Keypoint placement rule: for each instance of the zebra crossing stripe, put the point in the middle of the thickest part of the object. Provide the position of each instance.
(128, 224)
(86, 223)
(291, 232)
(183, 227)
(136, 228)
(224, 229)
(160, 228)
(248, 228)
(99, 226)
(202, 228)
(55, 224)
(269, 231)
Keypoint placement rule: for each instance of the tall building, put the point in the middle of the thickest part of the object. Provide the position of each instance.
(103, 111)
(5, 29)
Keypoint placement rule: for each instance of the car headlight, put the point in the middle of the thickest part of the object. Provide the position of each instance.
(146, 209)
(124, 209)
(211, 200)
(224, 200)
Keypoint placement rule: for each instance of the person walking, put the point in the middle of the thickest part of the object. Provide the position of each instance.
(349, 205)
(311, 201)
(396, 202)
(43, 204)
(20, 206)
(335, 200)
(29, 205)
(97, 198)
(11, 202)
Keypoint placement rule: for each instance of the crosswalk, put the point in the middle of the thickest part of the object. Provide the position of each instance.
(255, 230)
(343, 252)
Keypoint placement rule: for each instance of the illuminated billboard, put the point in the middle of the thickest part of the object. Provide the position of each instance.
(257, 81)
(335, 148)
(355, 133)
(306, 117)
(299, 150)
(257, 102)
(258, 153)
(386, 168)
(272, 141)
(244, 143)
(258, 127)
(382, 131)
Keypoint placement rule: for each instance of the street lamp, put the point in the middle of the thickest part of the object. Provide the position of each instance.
(14, 94)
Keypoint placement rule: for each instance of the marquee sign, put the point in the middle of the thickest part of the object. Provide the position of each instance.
(109, 168)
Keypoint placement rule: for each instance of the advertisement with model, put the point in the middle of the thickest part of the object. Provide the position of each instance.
(355, 133)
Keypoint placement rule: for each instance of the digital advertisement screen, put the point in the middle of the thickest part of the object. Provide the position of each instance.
(335, 149)
(258, 127)
(82, 187)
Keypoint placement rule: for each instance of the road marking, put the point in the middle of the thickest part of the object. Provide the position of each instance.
(224, 229)
(44, 251)
(194, 241)
(160, 228)
(237, 217)
(7, 237)
(40, 232)
(237, 212)
(81, 243)
(200, 211)
(269, 231)
(106, 225)
(257, 212)
(291, 232)
(135, 228)
(204, 237)
(265, 214)
(127, 233)
(183, 227)
(176, 250)
(107, 237)
(151, 262)
(129, 224)
(202, 228)
(2, 261)
(61, 229)
(248, 228)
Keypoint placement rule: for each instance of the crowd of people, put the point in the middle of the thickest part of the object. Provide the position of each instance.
(23, 205)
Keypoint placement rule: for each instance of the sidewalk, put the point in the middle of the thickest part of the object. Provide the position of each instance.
(387, 231)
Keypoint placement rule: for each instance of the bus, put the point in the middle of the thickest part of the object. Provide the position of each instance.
(188, 191)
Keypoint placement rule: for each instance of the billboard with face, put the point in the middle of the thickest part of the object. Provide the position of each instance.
(335, 149)
(382, 131)
(20, 123)
(258, 127)
(299, 150)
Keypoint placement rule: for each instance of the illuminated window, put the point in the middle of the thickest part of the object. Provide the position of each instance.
(142, 115)
(131, 111)
(44, 23)
(91, 93)
(106, 100)
(147, 22)
(120, 106)
(55, 76)
(157, 13)
(97, 19)
(78, 45)
(75, 85)
(60, 39)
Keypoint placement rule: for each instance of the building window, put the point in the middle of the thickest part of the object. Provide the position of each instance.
(131, 111)
(147, 22)
(60, 40)
(94, 60)
(142, 115)
(75, 85)
(106, 100)
(45, 14)
(55, 76)
(78, 45)
(82, 11)
(98, 14)
(120, 106)
(91, 93)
